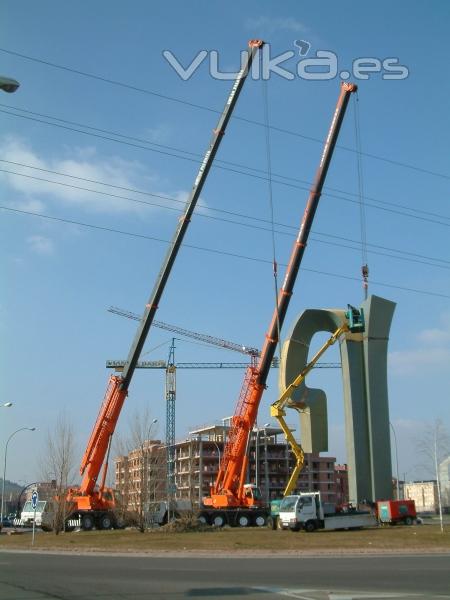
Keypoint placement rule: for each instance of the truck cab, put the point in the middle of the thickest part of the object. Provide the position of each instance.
(307, 511)
(28, 514)
(301, 511)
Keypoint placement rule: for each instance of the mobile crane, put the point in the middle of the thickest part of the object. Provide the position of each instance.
(91, 503)
(231, 500)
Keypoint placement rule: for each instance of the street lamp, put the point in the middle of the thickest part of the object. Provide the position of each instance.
(6, 405)
(257, 451)
(9, 85)
(396, 460)
(4, 465)
(150, 427)
(218, 451)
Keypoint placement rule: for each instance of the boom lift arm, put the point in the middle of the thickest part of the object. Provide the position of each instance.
(355, 324)
(228, 490)
(117, 390)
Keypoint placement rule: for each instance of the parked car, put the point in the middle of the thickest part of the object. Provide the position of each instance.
(7, 522)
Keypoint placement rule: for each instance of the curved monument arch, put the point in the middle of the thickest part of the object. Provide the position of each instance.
(364, 376)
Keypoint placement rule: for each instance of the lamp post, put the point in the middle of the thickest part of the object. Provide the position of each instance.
(8, 84)
(218, 451)
(257, 452)
(396, 460)
(4, 465)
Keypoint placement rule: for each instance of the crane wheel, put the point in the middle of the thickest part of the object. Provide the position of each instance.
(105, 522)
(408, 521)
(87, 522)
(260, 520)
(218, 520)
(243, 521)
(202, 519)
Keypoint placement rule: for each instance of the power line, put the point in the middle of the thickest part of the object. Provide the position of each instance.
(212, 250)
(248, 225)
(137, 143)
(209, 109)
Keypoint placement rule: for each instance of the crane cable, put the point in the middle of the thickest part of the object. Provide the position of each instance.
(362, 208)
(270, 194)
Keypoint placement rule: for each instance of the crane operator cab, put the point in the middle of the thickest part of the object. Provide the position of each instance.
(252, 495)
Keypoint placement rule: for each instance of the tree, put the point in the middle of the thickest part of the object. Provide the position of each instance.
(141, 468)
(435, 447)
(57, 465)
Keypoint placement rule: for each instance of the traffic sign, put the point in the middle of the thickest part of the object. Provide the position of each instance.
(34, 499)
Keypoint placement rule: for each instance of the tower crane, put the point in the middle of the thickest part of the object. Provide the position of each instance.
(171, 367)
(201, 337)
(93, 504)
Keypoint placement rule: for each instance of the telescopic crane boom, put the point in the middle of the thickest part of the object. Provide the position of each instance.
(229, 490)
(86, 498)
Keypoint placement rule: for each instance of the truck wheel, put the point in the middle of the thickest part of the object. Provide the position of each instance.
(105, 522)
(260, 520)
(243, 521)
(408, 521)
(87, 522)
(218, 520)
(310, 526)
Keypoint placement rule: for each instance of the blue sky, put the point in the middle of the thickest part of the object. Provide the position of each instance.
(60, 278)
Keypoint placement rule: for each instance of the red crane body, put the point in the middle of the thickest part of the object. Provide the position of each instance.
(229, 490)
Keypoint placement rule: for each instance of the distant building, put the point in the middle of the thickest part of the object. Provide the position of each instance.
(270, 464)
(341, 481)
(424, 494)
(142, 473)
(444, 478)
(140, 476)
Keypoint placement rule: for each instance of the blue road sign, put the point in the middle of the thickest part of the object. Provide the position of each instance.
(34, 499)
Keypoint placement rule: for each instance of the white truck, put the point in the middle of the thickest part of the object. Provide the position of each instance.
(28, 513)
(306, 511)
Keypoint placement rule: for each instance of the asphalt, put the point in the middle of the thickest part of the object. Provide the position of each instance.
(41, 576)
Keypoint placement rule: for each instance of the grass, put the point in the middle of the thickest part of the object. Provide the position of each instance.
(425, 538)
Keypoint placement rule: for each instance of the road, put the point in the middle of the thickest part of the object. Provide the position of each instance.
(39, 576)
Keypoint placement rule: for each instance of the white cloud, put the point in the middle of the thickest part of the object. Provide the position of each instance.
(271, 24)
(159, 135)
(84, 163)
(40, 244)
(434, 336)
(431, 351)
